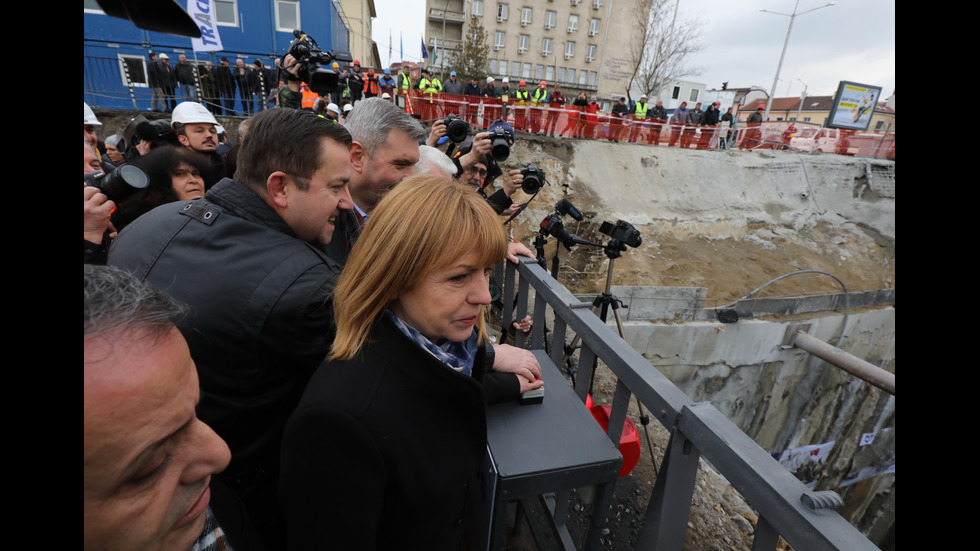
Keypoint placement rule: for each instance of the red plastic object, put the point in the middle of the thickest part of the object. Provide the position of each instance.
(629, 442)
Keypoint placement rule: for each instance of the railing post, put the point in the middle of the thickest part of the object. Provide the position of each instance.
(665, 522)
(765, 538)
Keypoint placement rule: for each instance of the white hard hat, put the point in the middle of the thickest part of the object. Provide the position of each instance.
(489, 79)
(188, 112)
(90, 116)
(505, 80)
(333, 107)
(386, 95)
(348, 107)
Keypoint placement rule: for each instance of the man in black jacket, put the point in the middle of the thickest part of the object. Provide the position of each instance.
(247, 258)
(225, 82)
(185, 78)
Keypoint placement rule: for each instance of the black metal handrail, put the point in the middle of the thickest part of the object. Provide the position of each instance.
(786, 507)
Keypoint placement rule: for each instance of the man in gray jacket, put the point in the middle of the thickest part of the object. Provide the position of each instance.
(247, 258)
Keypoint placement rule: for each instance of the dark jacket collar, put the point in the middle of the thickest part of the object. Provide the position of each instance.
(245, 203)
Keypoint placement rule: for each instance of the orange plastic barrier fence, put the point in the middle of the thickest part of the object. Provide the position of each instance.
(576, 122)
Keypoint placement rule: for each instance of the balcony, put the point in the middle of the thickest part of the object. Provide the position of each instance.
(438, 15)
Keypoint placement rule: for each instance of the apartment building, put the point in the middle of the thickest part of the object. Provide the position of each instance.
(580, 44)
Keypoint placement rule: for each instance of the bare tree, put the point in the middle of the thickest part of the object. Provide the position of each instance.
(662, 45)
(470, 61)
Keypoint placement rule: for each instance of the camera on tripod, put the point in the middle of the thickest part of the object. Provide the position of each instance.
(533, 179)
(623, 232)
(308, 55)
(456, 128)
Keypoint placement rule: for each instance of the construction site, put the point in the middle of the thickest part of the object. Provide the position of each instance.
(744, 254)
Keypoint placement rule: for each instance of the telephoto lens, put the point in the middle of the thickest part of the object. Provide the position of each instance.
(119, 184)
(456, 128)
(499, 146)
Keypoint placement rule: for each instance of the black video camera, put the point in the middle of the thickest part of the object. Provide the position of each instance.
(308, 55)
(120, 184)
(456, 128)
(500, 144)
(158, 133)
(623, 232)
(553, 226)
(533, 179)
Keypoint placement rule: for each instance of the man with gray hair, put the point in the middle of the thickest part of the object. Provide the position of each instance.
(384, 151)
(148, 460)
(435, 162)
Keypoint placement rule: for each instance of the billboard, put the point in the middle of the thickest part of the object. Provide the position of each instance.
(853, 105)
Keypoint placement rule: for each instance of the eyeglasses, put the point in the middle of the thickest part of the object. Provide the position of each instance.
(479, 171)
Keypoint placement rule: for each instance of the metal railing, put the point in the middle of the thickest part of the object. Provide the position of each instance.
(121, 83)
(786, 507)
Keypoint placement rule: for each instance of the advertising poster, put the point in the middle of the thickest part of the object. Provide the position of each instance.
(806, 462)
(853, 106)
(875, 456)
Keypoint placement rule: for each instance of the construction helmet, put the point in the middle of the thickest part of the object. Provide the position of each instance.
(521, 83)
(188, 112)
(333, 107)
(90, 116)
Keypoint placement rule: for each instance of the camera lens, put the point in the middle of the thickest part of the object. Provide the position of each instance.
(456, 128)
(531, 183)
(499, 149)
(119, 184)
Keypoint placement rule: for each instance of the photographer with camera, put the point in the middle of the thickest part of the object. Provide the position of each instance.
(98, 212)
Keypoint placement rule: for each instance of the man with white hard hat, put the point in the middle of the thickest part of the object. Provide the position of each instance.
(90, 123)
(196, 128)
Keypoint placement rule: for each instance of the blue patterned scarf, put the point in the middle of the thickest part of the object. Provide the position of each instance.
(457, 355)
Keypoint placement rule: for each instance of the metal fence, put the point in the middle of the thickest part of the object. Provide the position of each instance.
(123, 83)
(786, 507)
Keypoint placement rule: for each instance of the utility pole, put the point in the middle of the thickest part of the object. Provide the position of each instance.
(791, 16)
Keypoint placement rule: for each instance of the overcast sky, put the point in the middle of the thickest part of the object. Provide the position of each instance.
(852, 40)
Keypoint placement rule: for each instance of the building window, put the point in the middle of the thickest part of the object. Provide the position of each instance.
(561, 74)
(502, 67)
(477, 8)
(569, 50)
(596, 4)
(594, 26)
(549, 72)
(590, 53)
(572, 23)
(136, 66)
(525, 17)
(583, 77)
(676, 93)
(576, 2)
(593, 77)
(570, 76)
(550, 17)
(515, 70)
(539, 72)
(498, 40)
(501, 12)
(492, 67)
(694, 95)
(287, 16)
(523, 43)
(546, 46)
(226, 13)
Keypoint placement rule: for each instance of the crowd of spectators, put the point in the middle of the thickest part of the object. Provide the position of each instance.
(255, 261)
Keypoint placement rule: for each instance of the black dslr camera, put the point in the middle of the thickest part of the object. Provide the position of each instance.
(533, 179)
(456, 128)
(623, 232)
(120, 184)
(500, 144)
(308, 54)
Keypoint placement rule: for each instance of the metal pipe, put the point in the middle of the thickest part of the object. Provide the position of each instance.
(855, 366)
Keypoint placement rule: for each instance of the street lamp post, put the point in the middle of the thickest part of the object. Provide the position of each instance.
(791, 16)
